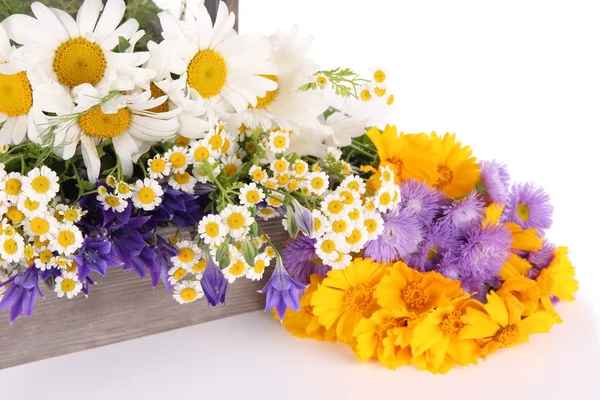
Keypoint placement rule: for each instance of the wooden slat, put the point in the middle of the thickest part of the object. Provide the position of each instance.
(120, 307)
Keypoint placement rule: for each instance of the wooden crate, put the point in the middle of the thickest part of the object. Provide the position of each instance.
(120, 307)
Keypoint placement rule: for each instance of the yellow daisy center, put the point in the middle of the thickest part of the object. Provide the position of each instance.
(507, 336)
(216, 141)
(359, 298)
(201, 153)
(71, 215)
(237, 268)
(354, 237)
(40, 184)
(339, 226)
(13, 187)
(123, 188)
(97, 124)
(318, 223)
(354, 214)
(414, 296)
(523, 211)
(230, 169)
(29, 252)
(207, 73)
(451, 324)
(353, 186)
(16, 96)
(156, 92)
(112, 201)
(390, 100)
(46, 256)
(71, 266)
(280, 142)
(157, 165)
(182, 141)
(258, 175)
(385, 199)
(270, 184)
(188, 294)
(445, 176)
(293, 185)
(365, 95)
(79, 61)
(348, 197)
(259, 266)
(252, 196)
(321, 80)
(31, 205)
(186, 255)
(10, 246)
(280, 166)
(179, 273)
(212, 229)
(182, 179)
(67, 285)
(379, 76)
(283, 179)
(146, 195)
(262, 102)
(236, 220)
(14, 214)
(317, 183)
(200, 266)
(300, 168)
(177, 159)
(328, 246)
(39, 226)
(369, 205)
(66, 238)
(379, 91)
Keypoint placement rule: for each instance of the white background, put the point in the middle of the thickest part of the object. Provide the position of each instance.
(517, 80)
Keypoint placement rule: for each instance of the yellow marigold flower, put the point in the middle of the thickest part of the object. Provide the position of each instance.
(557, 280)
(409, 156)
(514, 266)
(437, 335)
(346, 296)
(499, 323)
(526, 291)
(404, 288)
(304, 323)
(377, 337)
(457, 169)
(492, 214)
(526, 240)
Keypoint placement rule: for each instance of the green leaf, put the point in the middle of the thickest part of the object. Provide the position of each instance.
(122, 46)
(249, 251)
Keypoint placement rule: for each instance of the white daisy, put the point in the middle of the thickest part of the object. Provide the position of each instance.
(216, 62)
(267, 213)
(321, 224)
(231, 165)
(198, 268)
(365, 93)
(356, 214)
(379, 75)
(184, 182)
(322, 81)
(12, 185)
(30, 207)
(279, 165)
(271, 183)
(258, 174)
(329, 246)
(357, 237)
(350, 198)
(299, 168)
(111, 201)
(74, 52)
(67, 284)
(250, 194)
(179, 158)
(279, 141)
(90, 118)
(158, 167)
(68, 239)
(383, 199)
(317, 182)
(237, 268)
(42, 225)
(374, 224)
(188, 254)
(11, 247)
(187, 291)
(41, 184)
(334, 207)
(340, 262)
(238, 220)
(342, 226)
(72, 214)
(200, 150)
(256, 271)
(147, 194)
(212, 230)
(176, 274)
(354, 183)
(387, 174)
(123, 190)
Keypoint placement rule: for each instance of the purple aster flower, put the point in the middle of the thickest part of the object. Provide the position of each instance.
(495, 180)
(540, 259)
(421, 201)
(301, 260)
(439, 239)
(401, 235)
(163, 251)
(21, 294)
(95, 255)
(451, 268)
(213, 283)
(282, 291)
(529, 207)
(464, 214)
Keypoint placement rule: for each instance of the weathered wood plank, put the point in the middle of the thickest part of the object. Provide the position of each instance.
(120, 307)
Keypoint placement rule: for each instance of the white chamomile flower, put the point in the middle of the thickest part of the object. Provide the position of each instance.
(158, 167)
(340, 262)
(238, 220)
(256, 271)
(317, 182)
(237, 268)
(72, 214)
(147, 194)
(42, 225)
(354, 183)
(356, 214)
(217, 63)
(357, 237)
(275, 199)
(176, 274)
(329, 246)
(231, 165)
(112, 202)
(350, 198)
(279, 141)
(250, 194)
(365, 93)
(45, 259)
(383, 199)
(280, 165)
(198, 268)
(271, 183)
(188, 254)
(267, 213)
(29, 253)
(322, 81)
(334, 207)
(123, 190)
(387, 174)
(67, 284)
(179, 158)
(187, 291)
(212, 230)
(68, 239)
(299, 168)
(342, 226)
(30, 207)
(217, 142)
(374, 224)
(321, 224)
(12, 185)
(200, 150)
(41, 184)
(11, 247)
(183, 181)
(65, 263)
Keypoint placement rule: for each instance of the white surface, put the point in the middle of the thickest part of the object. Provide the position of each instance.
(518, 81)
(252, 357)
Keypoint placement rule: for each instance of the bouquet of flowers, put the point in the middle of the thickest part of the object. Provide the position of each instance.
(164, 162)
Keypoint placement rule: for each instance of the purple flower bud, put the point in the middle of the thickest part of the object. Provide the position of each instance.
(213, 283)
(303, 218)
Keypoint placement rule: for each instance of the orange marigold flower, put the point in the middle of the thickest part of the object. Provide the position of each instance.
(457, 170)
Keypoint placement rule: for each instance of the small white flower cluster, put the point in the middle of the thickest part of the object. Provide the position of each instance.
(376, 88)
(347, 218)
(36, 229)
